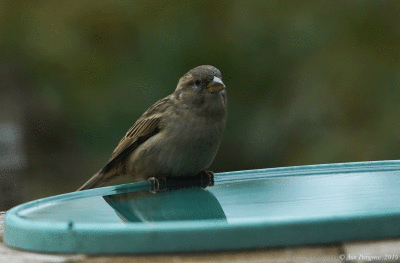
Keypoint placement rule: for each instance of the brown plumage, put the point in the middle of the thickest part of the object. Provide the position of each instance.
(177, 136)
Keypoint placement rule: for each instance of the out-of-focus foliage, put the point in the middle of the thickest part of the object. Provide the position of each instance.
(308, 81)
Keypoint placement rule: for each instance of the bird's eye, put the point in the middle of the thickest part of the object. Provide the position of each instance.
(197, 82)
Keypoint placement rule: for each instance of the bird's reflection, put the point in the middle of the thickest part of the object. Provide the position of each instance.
(180, 205)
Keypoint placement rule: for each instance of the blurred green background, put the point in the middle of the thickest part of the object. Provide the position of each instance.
(308, 82)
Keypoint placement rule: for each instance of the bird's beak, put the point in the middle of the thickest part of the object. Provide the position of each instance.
(216, 85)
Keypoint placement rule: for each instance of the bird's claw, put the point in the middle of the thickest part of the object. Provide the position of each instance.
(206, 178)
(203, 180)
(155, 185)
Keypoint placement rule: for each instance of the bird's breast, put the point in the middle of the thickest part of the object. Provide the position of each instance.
(185, 145)
(191, 144)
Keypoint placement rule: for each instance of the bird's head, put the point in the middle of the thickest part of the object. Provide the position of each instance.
(202, 86)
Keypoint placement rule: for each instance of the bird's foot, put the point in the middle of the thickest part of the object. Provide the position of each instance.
(155, 185)
(207, 178)
(202, 179)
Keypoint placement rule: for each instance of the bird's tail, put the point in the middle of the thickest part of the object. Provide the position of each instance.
(97, 180)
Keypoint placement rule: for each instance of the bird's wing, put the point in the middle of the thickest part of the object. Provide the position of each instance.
(145, 127)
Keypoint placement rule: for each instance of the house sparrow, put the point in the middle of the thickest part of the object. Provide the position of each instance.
(178, 136)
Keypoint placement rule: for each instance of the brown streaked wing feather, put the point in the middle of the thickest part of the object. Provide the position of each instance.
(145, 127)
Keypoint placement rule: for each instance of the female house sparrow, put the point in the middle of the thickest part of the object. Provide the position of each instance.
(178, 136)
